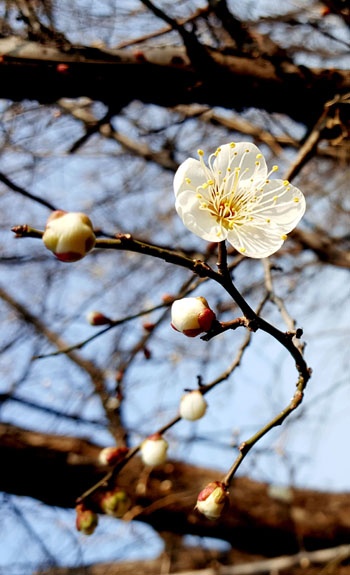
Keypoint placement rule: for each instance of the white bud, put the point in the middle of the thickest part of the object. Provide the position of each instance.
(212, 500)
(193, 405)
(154, 450)
(191, 316)
(69, 235)
(112, 455)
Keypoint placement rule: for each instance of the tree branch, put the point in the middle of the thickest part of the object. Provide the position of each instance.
(165, 76)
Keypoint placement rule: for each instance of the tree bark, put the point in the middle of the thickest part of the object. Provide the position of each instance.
(58, 469)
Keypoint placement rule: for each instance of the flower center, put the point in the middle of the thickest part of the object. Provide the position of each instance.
(226, 195)
(223, 212)
(219, 196)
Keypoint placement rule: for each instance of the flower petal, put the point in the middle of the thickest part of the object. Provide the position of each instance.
(255, 242)
(282, 206)
(200, 222)
(189, 176)
(244, 155)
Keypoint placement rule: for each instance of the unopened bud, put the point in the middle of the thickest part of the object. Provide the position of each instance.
(167, 298)
(192, 316)
(69, 235)
(193, 405)
(115, 502)
(86, 519)
(154, 450)
(112, 455)
(212, 500)
(148, 326)
(112, 403)
(97, 318)
(147, 353)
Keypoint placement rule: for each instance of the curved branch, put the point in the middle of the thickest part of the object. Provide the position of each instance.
(202, 269)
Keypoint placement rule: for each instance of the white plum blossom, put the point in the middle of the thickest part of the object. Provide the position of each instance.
(193, 405)
(233, 198)
(154, 450)
(69, 235)
(192, 316)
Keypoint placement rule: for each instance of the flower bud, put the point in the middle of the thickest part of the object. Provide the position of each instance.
(193, 405)
(154, 450)
(147, 352)
(212, 499)
(192, 316)
(115, 502)
(69, 235)
(97, 318)
(86, 519)
(112, 455)
(148, 326)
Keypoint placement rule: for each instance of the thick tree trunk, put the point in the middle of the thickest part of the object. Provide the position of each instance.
(57, 470)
